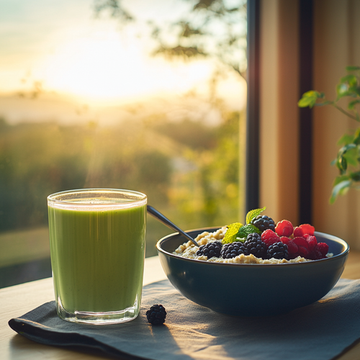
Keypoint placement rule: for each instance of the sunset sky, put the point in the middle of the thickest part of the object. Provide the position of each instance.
(62, 45)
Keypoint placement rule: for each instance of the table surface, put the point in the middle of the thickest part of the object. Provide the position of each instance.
(19, 299)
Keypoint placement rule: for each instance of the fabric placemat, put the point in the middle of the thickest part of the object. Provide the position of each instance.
(319, 331)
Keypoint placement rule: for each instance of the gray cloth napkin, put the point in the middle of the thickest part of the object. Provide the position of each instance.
(319, 331)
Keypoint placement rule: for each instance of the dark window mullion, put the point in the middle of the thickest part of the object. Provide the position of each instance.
(252, 110)
(305, 114)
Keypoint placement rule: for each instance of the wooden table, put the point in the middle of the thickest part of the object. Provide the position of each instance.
(17, 300)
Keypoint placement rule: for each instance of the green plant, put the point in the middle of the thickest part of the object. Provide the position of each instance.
(348, 156)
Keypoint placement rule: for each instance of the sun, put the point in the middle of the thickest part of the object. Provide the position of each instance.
(104, 68)
(98, 68)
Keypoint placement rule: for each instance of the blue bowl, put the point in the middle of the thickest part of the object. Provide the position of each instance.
(252, 289)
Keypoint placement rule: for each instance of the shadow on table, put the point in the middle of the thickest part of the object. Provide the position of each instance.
(94, 344)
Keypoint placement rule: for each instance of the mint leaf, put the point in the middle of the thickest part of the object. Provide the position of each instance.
(231, 233)
(252, 214)
(245, 230)
(238, 231)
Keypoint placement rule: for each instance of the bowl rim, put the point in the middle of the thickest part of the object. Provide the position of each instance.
(194, 261)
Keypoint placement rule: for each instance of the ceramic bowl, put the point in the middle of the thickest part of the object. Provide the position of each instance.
(252, 289)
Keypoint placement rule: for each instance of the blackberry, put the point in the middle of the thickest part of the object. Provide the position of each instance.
(263, 222)
(210, 249)
(278, 250)
(156, 315)
(234, 249)
(255, 245)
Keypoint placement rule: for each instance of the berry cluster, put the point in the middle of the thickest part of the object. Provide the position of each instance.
(253, 245)
(279, 241)
(300, 240)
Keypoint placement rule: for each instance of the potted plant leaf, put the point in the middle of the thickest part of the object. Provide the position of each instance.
(348, 156)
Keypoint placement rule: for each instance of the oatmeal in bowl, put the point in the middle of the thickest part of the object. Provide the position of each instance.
(235, 272)
(259, 241)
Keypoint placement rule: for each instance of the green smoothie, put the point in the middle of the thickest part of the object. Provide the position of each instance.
(97, 257)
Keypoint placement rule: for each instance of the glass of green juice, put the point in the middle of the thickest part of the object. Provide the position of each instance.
(97, 246)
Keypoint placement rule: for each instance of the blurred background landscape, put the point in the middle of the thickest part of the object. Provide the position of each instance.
(142, 95)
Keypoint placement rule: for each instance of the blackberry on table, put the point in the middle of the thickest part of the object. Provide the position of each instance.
(211, 249)
(234, 249)
(156, 315)
(278, 250)
(256, 246)
(264, 222)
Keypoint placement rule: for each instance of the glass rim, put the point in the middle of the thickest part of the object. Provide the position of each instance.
(97, 199)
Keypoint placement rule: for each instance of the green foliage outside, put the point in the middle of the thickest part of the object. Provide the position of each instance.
(189, 170)
(348, 156)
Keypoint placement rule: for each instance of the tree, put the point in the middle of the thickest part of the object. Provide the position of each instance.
(206, 192)
(214, 29)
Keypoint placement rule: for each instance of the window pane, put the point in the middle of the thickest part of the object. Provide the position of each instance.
(145, 95)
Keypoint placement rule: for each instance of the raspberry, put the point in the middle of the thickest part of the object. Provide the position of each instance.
(284, 228)
(311, 240)
(269, 237)
(292, 247)
(278, 250)
(297, 247)
(307, 229)
(156, 315)
(263, 222)
(256, 246)
(234, 249)
(319, 252)
(315, 255)
(303, 247)
(323, 248)
(211, 249)
(298, 231)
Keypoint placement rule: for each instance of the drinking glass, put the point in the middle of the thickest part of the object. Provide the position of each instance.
(97, 246)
